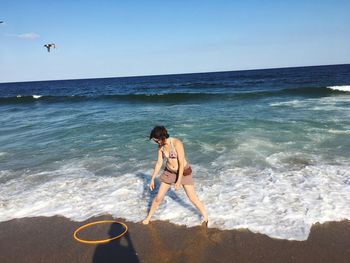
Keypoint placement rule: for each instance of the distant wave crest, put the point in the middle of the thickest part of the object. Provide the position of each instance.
(182, 97)
(345, 88)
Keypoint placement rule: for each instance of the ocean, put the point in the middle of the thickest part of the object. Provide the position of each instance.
(270, 149)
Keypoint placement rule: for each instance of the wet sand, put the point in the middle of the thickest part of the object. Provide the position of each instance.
(50, 239)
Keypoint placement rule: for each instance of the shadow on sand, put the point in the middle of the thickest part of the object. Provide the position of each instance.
(120, 250)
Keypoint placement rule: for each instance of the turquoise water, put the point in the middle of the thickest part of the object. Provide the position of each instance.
(269, 149)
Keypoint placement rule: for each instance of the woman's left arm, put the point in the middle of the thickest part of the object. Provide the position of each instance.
(181, 159)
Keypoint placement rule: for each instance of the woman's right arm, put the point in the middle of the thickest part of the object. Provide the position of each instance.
(156, 168)
(159, 163)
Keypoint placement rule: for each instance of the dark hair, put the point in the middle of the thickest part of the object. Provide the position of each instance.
(159, 132)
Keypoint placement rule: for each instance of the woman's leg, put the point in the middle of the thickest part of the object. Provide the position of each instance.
(160, 195)
(189, 189)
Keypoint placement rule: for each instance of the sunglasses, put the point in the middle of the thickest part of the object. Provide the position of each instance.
(157, 140)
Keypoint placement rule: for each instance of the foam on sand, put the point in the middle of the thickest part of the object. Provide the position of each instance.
(281, 204)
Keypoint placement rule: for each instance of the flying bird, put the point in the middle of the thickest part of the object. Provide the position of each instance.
(48, 46)
(1, 22)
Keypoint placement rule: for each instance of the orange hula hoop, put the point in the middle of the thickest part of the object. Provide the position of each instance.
(99, 241)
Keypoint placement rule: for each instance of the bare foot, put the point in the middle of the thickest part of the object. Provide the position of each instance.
(145, 221)
(205, 222)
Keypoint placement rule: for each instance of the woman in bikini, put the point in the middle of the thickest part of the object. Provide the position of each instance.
(177, 171)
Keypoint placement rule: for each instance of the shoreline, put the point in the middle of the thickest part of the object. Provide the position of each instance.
(50, 239)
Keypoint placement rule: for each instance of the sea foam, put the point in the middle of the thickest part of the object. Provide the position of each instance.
(340, 88)
(280, 204)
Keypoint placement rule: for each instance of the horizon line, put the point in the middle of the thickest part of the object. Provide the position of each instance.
(175, 74)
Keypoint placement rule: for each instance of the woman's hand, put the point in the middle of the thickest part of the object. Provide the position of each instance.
(151, 185)
(177, 186)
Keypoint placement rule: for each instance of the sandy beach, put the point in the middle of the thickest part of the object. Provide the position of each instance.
(49, 239)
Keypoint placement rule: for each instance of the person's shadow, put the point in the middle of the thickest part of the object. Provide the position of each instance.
(147, 193)
(119, 250)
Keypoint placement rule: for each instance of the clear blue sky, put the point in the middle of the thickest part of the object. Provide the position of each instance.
(127, 38)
